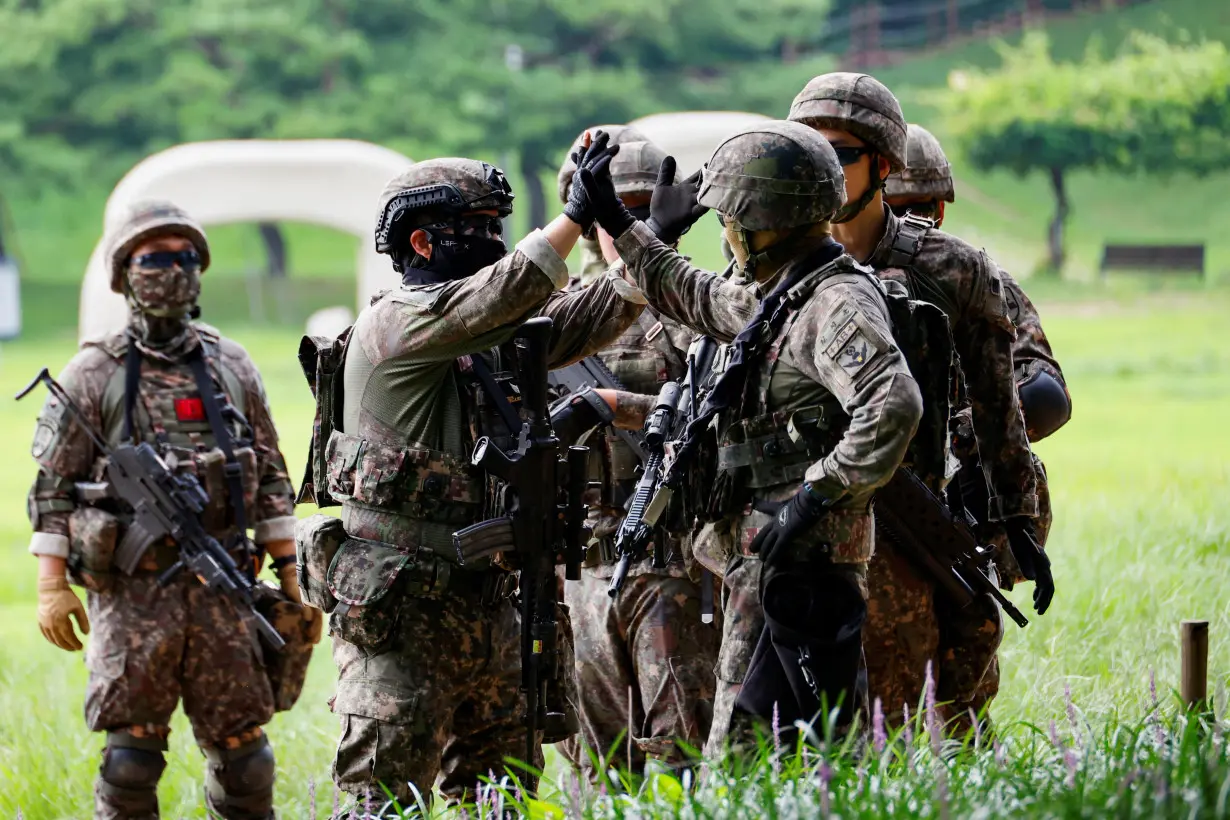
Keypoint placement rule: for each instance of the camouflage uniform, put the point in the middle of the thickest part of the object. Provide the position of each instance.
(154, 645)
(644, 660)
(903, 631)
(831, 372)
(427, 651)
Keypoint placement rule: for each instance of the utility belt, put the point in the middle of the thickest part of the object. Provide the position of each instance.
(771, 450)
(410, 482)
(96, 529)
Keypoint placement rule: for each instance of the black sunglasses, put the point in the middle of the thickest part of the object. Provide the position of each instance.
(850, 154)
(168, 259)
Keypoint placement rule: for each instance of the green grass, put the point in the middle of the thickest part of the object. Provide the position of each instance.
(1141, 541)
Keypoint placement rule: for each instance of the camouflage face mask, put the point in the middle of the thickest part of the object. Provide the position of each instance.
(158, 289)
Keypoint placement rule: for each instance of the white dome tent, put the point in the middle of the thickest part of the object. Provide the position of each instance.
(692, 136)
(335, 183)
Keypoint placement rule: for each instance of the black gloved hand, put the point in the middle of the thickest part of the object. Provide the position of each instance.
(572, 416)
(596, 158)
(793, 517)
(604, 203)
(1032, 559)
(673, 208)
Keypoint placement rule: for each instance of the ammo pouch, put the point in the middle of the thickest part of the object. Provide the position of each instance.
(322, 360)
(317, 540)
(92, 535)
(771, 450)
(416, 482)
(287, 668)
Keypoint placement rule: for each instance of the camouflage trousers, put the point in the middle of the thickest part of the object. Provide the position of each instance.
(742, 622)
(911, 625)
(427, 688)
(644, 665)
(152, 646)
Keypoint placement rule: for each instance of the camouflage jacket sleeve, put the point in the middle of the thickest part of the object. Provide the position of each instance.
(64, 452)
(587, 320)
(1032, 349)
(704, 301)
(843, 340)
(984, 338)
(442, 322)
(273, 518)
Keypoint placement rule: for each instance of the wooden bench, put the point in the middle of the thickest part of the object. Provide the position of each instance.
(1158, 258)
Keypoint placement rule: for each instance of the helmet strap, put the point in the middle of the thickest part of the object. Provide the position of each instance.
(853, 209)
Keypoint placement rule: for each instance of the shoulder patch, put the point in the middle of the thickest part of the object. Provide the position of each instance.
(47, 428)
(850, 340)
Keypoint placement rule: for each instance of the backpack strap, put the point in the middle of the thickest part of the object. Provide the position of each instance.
(911, 230)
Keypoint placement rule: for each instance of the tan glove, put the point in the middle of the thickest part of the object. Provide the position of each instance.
(290, 587)
(57, 605)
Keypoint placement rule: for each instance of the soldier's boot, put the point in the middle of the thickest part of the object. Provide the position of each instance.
(127, 785)
(239, 781)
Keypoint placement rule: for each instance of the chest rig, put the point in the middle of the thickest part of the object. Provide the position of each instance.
(185, 409)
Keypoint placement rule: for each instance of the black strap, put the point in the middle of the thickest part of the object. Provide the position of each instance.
(231, 469)
(486, 378)
(132, 385)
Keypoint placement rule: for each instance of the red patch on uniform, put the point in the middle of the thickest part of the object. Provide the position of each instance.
(190, 409)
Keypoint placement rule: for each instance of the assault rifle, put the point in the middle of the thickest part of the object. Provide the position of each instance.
(660, 477)
(581, 378)
(543, 525)
(922, 525)
(164, 505)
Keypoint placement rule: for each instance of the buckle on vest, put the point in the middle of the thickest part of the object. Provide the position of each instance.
(232, 469)
(654, 332)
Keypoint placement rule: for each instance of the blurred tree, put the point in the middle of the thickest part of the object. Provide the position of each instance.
(89, 86)
(1155, 108)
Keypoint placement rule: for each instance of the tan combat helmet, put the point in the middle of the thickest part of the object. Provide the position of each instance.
(437, 190)
(858, 103)
(775, 175)
(145, 220)
(927, 174)
(630, 170)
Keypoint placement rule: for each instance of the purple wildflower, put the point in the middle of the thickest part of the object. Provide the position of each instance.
(311, 784)
(826, 777)
(879, 729)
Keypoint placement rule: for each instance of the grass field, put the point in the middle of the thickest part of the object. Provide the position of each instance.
(1141, 484)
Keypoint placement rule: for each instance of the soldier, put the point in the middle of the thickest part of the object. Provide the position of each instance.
(649, 646)
(153, 643)
(426, 649)
(922, 188)
(863, 121)
(815, 408)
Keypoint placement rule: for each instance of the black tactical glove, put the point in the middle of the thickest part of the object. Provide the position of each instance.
(596, 159)
(793, 517)
(606, 205)
(1032, 559)
(673, 209)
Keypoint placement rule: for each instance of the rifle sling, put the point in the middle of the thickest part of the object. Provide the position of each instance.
(233, 471)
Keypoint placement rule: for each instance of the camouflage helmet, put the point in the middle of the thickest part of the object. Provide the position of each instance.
(858, 103)
(435, 190)
(772, 176)
(628, 168)
(927, 173)
(143, 221)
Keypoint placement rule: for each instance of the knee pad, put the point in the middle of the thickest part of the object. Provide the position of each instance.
(1044, 403)
(239, 782)
(132, 763)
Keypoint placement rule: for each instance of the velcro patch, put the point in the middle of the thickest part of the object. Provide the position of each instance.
(192, 409)
(855, 355)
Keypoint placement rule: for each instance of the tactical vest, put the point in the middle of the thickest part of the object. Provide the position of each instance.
(410, 496)
(168, 412)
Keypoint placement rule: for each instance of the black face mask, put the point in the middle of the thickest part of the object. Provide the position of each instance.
(454, 257)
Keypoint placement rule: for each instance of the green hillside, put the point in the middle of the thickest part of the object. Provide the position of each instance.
(1009, 215)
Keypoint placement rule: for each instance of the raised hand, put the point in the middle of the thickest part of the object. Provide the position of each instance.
(673, 209)
(595, 158)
